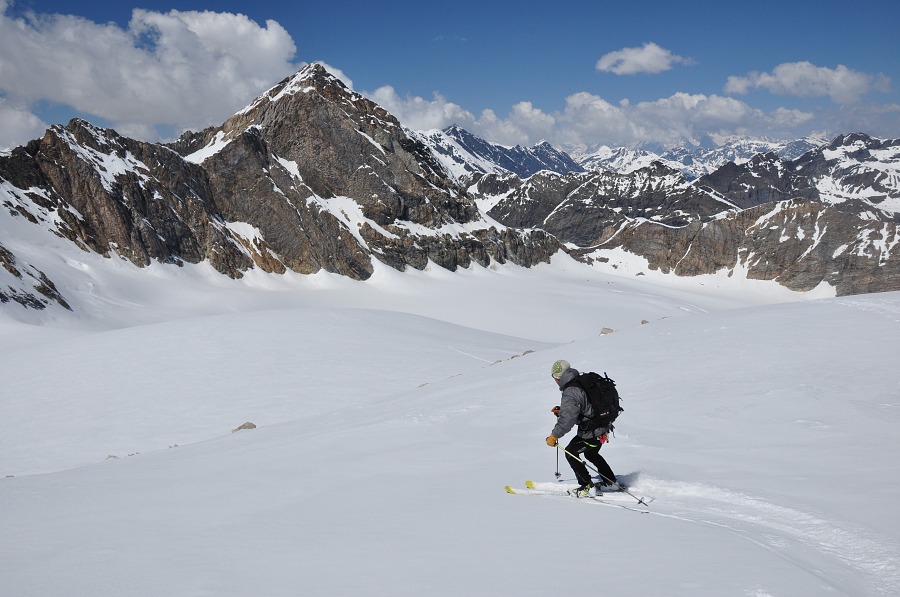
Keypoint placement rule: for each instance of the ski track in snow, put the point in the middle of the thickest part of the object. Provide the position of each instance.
(770, 525)
(477, 358)
(872, 304)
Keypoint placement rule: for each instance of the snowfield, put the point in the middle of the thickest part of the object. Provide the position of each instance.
(391, 413)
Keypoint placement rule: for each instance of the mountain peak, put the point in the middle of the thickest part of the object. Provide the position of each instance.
(312, 76)
(850, 140)
(474, 154)
(317, 75)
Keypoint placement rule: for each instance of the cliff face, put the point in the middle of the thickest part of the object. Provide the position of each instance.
(311, 176)
(798, 244)
(830, 215)
(310, 144)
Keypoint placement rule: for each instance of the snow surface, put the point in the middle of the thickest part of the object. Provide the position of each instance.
(217, 144)
(456, 160)
(391, 413)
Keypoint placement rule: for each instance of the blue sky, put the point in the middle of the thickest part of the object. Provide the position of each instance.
(585, 73)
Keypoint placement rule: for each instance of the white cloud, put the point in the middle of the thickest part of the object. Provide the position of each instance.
(789, 118)
(685, 115)
(525, 125)
(165, 72)
(176, 69)
(337, 73)
(649, 58)
(18, 124)
(588, 119)
(421, 114)
(884, 118)
(804, 79)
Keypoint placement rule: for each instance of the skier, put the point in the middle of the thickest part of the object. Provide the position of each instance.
(576, 408)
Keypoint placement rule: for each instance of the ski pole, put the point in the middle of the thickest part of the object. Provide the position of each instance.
(555, 411)
(616, 483)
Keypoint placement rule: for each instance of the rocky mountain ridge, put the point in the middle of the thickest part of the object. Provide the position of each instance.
(463, 154)
(312, 176)
(829, 216)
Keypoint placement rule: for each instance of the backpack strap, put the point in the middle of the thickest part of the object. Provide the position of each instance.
(587, 397)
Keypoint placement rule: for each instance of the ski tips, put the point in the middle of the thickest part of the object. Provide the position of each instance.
(510, 489)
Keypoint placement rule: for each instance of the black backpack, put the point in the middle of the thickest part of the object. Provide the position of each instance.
(603, 396)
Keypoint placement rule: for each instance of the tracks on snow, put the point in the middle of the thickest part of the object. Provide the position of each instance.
(778, 527)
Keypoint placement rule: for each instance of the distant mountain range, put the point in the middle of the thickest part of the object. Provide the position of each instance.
(829, 215)
(692, 159)
(312, 176)
(461, 153)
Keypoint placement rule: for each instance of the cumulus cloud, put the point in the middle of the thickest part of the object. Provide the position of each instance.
(588, 119)
(337, 73)
(178, 69)
(525, 125)
(18, 124)
(804, 79)
(649, 58)
(165, 72)
(524, 122)
(421, 114)
(858, 118)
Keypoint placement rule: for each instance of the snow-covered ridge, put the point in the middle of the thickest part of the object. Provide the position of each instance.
(621, 160)
(454, 158)
(299, 82)
(693, 158)
(462, 154)
(109, 165)
(217, 144)
(857, 166)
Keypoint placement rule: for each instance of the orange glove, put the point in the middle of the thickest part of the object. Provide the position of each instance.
(551, 441)
(555, 410)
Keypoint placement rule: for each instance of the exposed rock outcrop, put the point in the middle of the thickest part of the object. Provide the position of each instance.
(829, 216)
(310, 176)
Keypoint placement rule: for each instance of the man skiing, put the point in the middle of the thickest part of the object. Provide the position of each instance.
(575, 407)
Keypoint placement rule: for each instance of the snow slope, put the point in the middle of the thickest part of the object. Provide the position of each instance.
(391, 414)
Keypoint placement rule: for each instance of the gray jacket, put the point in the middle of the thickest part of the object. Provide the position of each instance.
(574, 408)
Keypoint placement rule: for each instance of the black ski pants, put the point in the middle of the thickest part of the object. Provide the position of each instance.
(591, 450)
